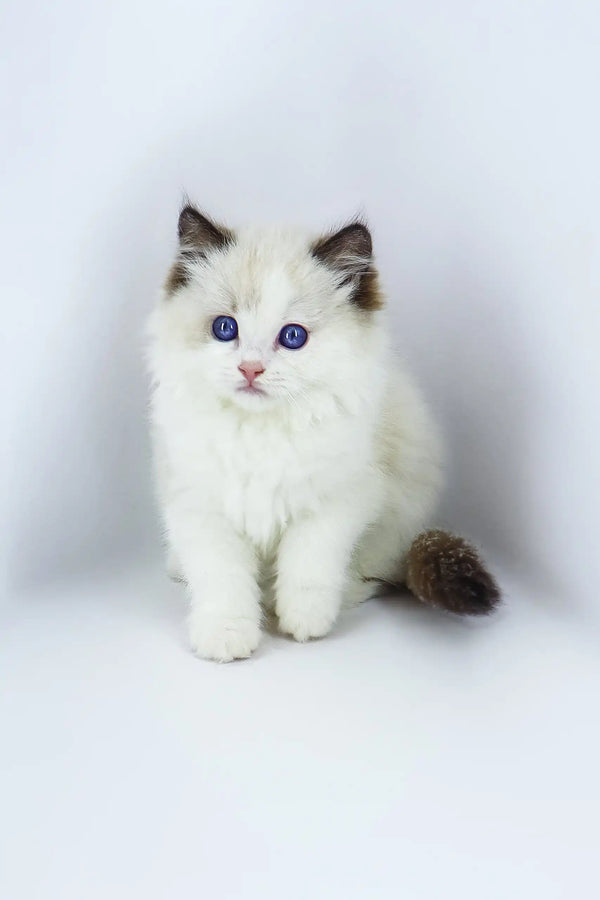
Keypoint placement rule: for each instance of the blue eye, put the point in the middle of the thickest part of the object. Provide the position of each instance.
(293, 336)
(225, 328)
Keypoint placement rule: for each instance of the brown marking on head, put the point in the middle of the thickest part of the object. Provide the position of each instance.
(446, 571)
(177, 276)
(349, 252)
(198, 236)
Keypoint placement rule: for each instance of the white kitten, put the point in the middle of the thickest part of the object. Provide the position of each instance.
(296, 464)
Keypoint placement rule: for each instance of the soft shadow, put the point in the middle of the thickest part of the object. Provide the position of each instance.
(471, 351)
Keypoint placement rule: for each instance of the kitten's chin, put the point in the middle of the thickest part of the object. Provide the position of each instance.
(252, 398)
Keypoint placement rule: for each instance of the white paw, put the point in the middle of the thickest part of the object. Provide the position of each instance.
(312, 615)
(223, 638)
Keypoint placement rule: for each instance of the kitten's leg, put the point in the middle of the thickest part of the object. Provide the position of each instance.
(220, 569)
(359, 589)
(314, 555)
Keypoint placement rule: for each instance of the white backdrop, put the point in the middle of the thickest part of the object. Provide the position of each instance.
(469, 134)
(409, 754)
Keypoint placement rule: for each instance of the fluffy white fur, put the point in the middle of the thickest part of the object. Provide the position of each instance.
(301, 498)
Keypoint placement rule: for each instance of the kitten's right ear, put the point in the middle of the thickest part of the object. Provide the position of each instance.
(198, 236)
(197, 232)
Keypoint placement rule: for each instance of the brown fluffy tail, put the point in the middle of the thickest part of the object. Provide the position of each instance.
(446, 571)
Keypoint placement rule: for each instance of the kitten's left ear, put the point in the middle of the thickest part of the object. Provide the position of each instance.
(349, 252)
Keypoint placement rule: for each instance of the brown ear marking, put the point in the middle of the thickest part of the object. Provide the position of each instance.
(349, 251)
(177, 276)
(445, 571)
(196, 231)
(198, 235)
(353, 240)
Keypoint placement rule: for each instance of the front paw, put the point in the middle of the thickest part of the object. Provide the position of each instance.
(223, 638)
(310, 614)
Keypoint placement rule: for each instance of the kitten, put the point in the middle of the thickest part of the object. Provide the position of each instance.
(297, 465)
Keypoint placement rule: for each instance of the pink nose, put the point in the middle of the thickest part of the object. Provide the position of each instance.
(251, 370)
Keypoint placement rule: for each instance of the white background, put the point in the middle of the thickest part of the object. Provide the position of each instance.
(410, 755)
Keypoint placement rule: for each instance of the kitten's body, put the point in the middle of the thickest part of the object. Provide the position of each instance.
(309, 495)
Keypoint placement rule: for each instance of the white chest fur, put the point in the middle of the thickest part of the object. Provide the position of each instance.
(259, 471)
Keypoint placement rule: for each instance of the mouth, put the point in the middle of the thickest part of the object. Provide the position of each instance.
(251, 390)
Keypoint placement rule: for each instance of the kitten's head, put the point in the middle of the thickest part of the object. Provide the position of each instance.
(269, 316)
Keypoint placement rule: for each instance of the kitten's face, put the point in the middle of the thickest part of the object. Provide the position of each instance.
(266, 317)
